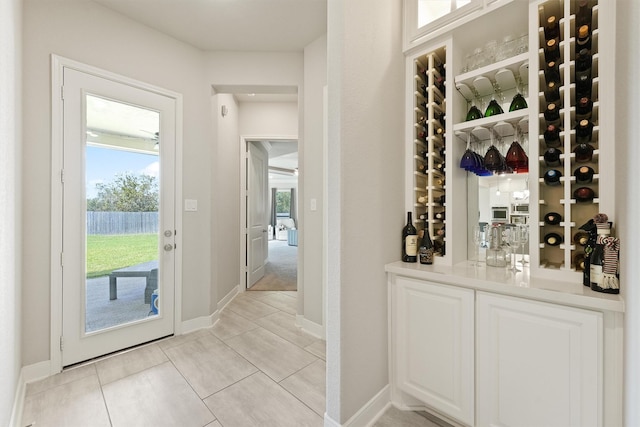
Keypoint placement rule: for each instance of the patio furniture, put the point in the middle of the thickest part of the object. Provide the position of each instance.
(148, 270)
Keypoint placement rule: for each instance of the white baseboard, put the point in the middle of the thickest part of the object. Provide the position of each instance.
(368, 414)
(28, 374)
(310, 327)
(202, 322)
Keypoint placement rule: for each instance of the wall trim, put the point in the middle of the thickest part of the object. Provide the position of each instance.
(368, 414)
(28, 374)
(202, 322)
(310, 327)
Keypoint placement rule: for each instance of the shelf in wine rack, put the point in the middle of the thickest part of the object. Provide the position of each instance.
(481, 127)
(515, 64)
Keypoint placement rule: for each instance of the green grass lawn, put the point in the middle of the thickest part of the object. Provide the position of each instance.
(106, 253)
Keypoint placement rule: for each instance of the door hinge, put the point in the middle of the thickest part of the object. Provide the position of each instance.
(62, 176)
(61, 259)
(62, 92)
(61, 343)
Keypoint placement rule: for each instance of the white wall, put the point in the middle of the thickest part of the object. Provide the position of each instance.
(312, 165)
(10, 207)
(268, 119)
(89, 33)
(366, 176)
(225, 198)
(627, 160)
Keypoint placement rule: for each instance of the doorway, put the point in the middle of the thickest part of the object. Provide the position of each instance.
(118, 221)
(280, 258)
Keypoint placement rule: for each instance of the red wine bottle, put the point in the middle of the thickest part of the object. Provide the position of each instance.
(590, 228)
(552, 114)
(584, 108)
(583, 39)
(584, 131)
(581, 238)
(552, 156)
(552, 72)
(552, 136)
(584, 194)
(425, 250)
(552, 177)
(553, 239)
(584, 83)
(583, 152)
(584, 13)
(583, 174)
(552, 93)
(552, 218)
(552, 51)
(583, 60)
(552, 29)
(409, 241)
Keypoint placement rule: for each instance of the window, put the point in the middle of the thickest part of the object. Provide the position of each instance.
(283, 204)
(430, 10)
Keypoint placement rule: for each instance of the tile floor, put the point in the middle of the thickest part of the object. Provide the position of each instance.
(254, 367)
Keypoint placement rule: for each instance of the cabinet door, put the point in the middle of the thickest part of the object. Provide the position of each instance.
(538, 364)
(434, 354)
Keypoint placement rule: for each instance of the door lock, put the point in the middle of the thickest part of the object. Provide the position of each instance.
(168, 233)
(168, 247)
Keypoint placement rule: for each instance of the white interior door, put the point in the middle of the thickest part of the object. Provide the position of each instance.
(257, 211)
(118, 216)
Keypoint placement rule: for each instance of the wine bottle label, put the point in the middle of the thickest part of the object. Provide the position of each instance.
(426, 256)
(411, 245)
(595, 274)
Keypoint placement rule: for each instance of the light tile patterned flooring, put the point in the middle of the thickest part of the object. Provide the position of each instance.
(254, 367)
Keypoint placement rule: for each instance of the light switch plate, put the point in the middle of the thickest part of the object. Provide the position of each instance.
(190, 205)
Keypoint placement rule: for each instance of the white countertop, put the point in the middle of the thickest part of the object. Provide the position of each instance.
(503, 281)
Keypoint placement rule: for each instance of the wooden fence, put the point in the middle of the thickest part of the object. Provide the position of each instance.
(122, 222)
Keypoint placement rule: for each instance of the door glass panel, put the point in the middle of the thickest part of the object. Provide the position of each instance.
(122, 166)
(431, 10)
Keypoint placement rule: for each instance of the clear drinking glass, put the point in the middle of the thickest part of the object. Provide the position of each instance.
(524, 239)
(513, 239)
(478, 240)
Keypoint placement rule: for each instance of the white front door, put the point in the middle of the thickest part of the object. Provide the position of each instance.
(118, 222)
(257, 209)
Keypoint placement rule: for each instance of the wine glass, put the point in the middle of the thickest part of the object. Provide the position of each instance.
(513, 240)
(478, 240)
(524, 239)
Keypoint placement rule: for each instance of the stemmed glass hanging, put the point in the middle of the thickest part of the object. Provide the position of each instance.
(493, 160)
(516, 157)
(524, 238)
(513, 239)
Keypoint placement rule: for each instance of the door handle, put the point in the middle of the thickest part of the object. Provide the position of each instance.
(168, 247)
(264, 231)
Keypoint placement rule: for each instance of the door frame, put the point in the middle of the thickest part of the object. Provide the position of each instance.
(244, 140)
(58, 63)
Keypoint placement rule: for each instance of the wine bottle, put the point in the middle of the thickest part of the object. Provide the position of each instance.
(590, 228)
(578, 261)
(552, 136)
(584, 109)
(552, 92)
(422, 168)
(424, 154)
(581, 238)
(552, 177)
(552, 51)
(552, 72)
(583, 13)
(443, 199)
(440, 167)
(584, 194)
(552, 114)
(583, 83)
(552, 218)
(583, 60)
(584, 131)
(553, 239)
(409, 241)
(439, 84)
(584, 175)
(425, 250)
(440, 216)
(596, 260)
(552, 29)
(583, 152)
(422, 135)
(583, 40)
(552, 156)
(424, 216)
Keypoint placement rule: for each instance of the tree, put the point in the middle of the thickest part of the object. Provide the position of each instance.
(283, 202)
(126, 193)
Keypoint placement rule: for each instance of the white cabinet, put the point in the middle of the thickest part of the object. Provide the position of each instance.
(479, 353)
(538, 364)
(433, 328)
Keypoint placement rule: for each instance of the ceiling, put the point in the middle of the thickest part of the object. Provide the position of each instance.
(231, 25)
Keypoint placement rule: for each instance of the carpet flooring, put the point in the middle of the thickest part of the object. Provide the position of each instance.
(281, 271)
